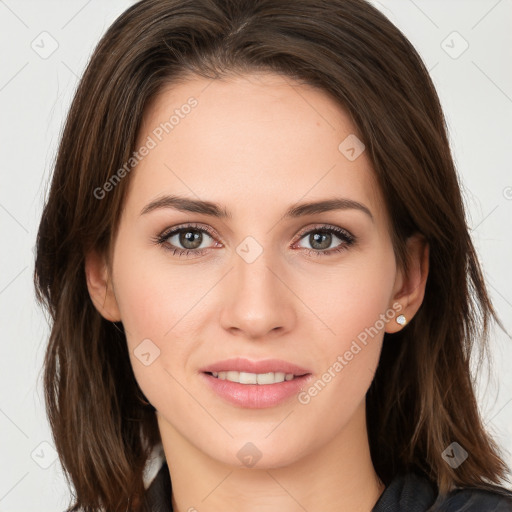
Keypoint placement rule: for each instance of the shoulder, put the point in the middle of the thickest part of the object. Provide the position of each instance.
(475, 500)
(412, 492)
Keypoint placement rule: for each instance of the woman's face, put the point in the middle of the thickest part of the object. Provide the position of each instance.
(254, 284)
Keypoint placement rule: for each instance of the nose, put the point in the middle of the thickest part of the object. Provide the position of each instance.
(259, 300)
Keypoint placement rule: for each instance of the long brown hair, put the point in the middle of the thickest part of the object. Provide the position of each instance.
(422, 397)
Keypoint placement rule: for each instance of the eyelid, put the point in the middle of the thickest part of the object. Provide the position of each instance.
(325, 227)
(167, 232)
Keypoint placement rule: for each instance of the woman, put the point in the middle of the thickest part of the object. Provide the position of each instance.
(201, 356)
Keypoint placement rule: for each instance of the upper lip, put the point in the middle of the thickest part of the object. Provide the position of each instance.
(239, 364)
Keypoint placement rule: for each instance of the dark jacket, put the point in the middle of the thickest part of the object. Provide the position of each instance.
(405, 493)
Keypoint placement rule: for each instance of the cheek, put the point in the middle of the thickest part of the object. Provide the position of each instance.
(154, 299)
(160, 335)
(350, 297)
(350, 304)
(153, 295)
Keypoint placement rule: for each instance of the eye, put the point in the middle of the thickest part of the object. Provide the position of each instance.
(192, 236)
(321, 237)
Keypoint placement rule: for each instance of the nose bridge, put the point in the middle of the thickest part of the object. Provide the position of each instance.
(259, 301)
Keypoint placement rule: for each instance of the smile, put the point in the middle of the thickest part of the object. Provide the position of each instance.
(253, 378)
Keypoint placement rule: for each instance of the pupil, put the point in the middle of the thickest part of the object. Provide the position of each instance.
(189, 239)
(317, 237)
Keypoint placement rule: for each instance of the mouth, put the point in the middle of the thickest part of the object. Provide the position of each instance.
(255, 390)
(255, 384)
(255, 378)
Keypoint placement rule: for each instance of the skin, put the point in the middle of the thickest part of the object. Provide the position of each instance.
(257, 144)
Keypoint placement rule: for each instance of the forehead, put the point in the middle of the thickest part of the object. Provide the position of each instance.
(252, 142)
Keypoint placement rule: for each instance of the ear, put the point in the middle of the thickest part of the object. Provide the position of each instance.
(100, 287)
(409, 288)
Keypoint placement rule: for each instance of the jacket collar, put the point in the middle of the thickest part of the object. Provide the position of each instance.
(153, 465)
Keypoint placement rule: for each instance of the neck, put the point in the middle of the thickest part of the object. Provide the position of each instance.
(336, 476)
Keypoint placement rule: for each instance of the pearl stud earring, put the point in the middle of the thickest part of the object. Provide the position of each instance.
(400, 319)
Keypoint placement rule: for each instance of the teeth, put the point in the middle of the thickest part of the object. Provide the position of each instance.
(254, 378)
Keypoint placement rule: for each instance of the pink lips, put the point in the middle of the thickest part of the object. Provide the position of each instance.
(256, 396)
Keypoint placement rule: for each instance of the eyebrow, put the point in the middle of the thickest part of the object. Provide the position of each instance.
(212, 209)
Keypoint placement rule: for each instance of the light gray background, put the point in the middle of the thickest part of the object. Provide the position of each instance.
(35, 93)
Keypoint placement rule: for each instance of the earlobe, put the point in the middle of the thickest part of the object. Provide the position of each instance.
(411, 287)
(100, 287)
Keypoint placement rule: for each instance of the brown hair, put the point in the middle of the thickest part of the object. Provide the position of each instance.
(422, 397)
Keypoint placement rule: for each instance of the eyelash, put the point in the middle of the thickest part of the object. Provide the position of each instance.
(347, 238)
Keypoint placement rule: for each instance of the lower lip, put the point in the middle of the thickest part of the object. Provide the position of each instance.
(256, 396)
